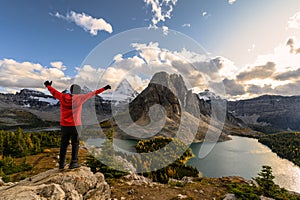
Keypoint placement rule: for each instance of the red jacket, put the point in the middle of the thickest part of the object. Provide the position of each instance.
(71, 105)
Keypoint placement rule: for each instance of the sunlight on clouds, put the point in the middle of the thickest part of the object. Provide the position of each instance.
(282, 56)
(294, 21)
(274, 73)
(118, 57)
(15, 74)
(87, 22)
(59, 65)
(270, 73)
(270, 82)
(150, 53)
(113, 76)
(227, 68)
(88, 76)
(196, 69)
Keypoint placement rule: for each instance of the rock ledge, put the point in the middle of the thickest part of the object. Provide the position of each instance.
(53, 184)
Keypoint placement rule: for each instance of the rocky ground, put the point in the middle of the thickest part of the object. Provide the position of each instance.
(81, 183)
(135, 187)
(45, 181)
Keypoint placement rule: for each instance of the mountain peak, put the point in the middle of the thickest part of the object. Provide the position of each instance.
(208, 95)
(30, 92)
(123, 93)
(126, 88)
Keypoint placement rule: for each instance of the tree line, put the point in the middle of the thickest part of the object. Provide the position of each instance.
(18, 144)
(285, 145)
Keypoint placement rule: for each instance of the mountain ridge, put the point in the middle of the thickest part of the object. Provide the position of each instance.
(268, 113)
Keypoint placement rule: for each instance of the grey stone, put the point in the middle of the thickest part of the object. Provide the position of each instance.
(53, 184)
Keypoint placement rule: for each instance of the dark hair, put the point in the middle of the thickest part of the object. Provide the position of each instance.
(75, 89)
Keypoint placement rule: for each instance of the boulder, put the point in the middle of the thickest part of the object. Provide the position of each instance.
(53, 184)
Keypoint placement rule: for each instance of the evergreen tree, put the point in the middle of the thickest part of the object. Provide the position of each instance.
(265, 180)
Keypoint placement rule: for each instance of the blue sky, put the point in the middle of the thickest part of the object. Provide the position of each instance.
(51, 39)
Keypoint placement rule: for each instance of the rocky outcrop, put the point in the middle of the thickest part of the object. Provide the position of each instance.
(178, 104)
(278, 112)
(74, 184)
(170, 92)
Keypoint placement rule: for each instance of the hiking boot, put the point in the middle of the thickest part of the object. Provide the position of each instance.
(74, 165)
(62, 166)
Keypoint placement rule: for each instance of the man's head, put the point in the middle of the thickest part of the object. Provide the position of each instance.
(75, 89)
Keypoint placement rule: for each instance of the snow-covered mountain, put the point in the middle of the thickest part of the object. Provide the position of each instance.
(208, 95)
(123, 93)
(30, 99)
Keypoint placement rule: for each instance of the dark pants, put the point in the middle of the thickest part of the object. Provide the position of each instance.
(67, 133)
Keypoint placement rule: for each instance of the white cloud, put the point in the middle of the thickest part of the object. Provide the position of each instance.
(118, 57)
(275, 73)
(88, 76)
(196, 69)
(186, 25)
(282, 57)
(148, 52)
(252, 48)
(15, 74)
(165, 30)
(161, 10)
(231, 1)
(59, 65)
(87, 22)
(204, 13)
(294, 21)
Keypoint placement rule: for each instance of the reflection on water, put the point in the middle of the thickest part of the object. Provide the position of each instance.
(245, 157)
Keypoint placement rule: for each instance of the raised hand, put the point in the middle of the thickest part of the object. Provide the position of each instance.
(107, 87)
(48, 83)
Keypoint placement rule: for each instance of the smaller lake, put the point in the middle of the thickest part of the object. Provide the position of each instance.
(245, 157)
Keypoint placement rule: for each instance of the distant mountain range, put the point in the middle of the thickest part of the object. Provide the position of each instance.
(262, 114)
(43, 107)
(269, 113)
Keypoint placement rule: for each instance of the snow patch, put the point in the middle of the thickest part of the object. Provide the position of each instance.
(51, 101)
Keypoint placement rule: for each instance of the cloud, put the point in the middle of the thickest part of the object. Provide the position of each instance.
(289, 75)
(88, 23)
(59, 65)
(285, 55)
(288, 89)
(233, 88)
(257, 72)
(165, 30)
(15, 74)
(226, 67)
(186, 25)
(256, 89)
(252, 48)
(291, 44)
(285, 90)
(231, 1)
(88, 76)
(161, 10)
(294, 21)
(141, 66)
